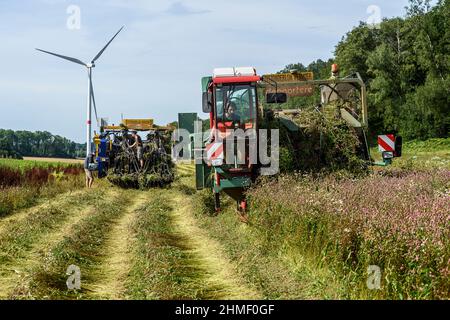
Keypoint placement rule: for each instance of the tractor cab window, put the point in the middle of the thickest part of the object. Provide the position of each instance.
(236, 104)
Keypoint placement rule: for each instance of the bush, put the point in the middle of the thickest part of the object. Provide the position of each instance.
(426, 113)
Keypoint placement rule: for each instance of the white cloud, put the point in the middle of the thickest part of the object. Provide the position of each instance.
(154, 66)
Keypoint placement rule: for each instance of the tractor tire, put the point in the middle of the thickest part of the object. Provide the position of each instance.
(217, 202)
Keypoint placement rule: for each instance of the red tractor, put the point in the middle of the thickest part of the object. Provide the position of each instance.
(232, 99)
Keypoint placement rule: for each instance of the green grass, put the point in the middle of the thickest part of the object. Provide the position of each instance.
(433, 153)
(19, 238)
(81, 247)
(435, 144)
(164, 266)
(29, 164)
(277, 273)
(18, 198)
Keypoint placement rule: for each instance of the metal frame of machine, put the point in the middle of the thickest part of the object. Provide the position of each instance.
(113, 140)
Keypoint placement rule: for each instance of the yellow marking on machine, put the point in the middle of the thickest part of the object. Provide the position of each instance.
(290, 77)
(138, 124)
(294, 91)
(113, 128)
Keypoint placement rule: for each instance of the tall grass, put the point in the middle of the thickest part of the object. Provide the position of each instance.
(22, 187)
(399, 223)
(164, 267)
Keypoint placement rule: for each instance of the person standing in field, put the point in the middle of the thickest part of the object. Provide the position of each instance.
(139, 148)
(89, 176)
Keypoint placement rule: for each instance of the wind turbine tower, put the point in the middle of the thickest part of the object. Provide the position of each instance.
(90, 95)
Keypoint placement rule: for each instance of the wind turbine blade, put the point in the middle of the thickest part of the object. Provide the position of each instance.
(93, 101)
(64, 57)
(104, 48)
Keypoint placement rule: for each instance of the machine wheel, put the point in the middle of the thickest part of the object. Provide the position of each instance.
(217, 202)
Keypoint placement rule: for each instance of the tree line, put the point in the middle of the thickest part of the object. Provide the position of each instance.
(405, 63)
(18, 144)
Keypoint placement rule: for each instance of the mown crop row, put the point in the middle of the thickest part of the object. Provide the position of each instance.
(398, 223)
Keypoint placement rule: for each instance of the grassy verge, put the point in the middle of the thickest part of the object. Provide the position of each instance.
(317, 238)
(23, 184)
(417, 155)
(82, 247)
(164, 266)
(397, 223)
(41, 163)
(17, 198)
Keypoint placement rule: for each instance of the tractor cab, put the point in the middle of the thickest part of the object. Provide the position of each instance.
(235, 98)
(230, 97)
(231, 100)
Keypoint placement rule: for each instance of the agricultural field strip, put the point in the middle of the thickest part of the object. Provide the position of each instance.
(82, 246)
(263, 269)
(19, 216)
(36, 163)
(20, 272)
(116, 263)
(184, 170)
(54, 160)
(15, 271)
(186, 167)
(173, 259)
(83, 243)
(162, 266)
(18, 236)
(221, 272)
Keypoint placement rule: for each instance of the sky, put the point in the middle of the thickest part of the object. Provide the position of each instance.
(154, 66)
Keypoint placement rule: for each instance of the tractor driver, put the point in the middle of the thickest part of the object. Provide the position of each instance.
(230, 113)
(139, 147)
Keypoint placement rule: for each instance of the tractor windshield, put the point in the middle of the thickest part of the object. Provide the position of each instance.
(236, 104)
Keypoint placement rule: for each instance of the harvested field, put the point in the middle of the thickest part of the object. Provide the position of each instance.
(307, 238)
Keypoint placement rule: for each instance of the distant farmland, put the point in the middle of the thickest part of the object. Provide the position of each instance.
(60, 160)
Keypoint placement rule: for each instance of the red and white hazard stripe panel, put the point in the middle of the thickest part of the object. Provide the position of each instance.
(386, 142)
(214, 151)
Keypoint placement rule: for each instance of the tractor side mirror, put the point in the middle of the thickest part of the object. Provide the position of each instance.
(207, 102)
(276, 98)
(398, 146)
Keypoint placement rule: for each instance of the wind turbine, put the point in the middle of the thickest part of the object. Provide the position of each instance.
(91, 98)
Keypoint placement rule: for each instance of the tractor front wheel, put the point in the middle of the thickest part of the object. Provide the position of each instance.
(217, 202)
(242, 210)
